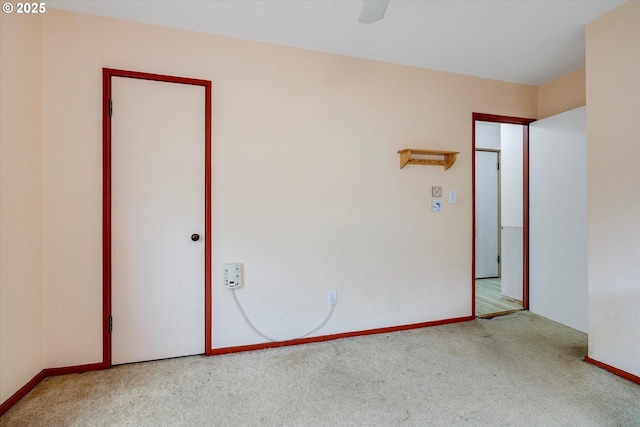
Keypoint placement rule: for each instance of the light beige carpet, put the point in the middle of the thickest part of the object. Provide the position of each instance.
(516, 370)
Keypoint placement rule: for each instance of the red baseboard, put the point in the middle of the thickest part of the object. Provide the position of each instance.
(52, 372)
(15, 398)
(48, 372)
(615, 371)
(261, 346)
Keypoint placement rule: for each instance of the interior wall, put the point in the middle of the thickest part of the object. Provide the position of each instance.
(511, 204)
(558, 218)
(613, 152)
(562, 94)
(307, 190)
(21, 305)
(488, 135)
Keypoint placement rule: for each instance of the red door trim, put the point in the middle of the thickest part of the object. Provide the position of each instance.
(107, 74)
(525, 196)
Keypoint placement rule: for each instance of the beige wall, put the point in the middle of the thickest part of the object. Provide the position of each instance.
(613, 138)
(307, 191)
(562, 94)
(21, 306)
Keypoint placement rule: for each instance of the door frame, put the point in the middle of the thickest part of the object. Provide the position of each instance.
(499, 188)
(107, 74)
(482, 117)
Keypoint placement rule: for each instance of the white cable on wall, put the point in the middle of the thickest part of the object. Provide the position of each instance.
(246, 318)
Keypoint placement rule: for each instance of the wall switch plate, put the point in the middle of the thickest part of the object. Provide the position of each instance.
(332, 297)
(452, 196)
(232, 276)
(436, 191)
(436, 205)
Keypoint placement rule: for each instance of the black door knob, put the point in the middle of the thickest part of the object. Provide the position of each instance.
(195, 237)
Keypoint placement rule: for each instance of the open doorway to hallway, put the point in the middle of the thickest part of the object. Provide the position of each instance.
(500, 215)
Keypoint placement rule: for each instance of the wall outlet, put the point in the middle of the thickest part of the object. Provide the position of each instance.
(332, 297)
(232, 276)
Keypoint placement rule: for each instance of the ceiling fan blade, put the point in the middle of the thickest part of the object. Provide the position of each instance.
(372, 11)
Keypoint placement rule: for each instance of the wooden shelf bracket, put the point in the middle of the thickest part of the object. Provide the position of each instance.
(446, 158)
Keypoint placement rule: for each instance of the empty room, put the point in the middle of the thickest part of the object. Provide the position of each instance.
(320, 213)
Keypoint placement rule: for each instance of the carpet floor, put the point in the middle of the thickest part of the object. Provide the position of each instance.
(514, 370)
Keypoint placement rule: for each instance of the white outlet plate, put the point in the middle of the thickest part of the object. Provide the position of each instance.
(332, 297)
(232, 276)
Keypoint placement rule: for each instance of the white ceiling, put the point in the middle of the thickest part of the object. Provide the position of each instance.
(522, 41)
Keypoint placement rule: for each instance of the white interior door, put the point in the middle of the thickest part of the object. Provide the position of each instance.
(487, 218)
(158, 148)
(558, 218)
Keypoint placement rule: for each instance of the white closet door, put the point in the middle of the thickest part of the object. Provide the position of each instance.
(487, 219)
(158, 149)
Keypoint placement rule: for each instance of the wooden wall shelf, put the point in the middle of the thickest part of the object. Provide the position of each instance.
(447, 158)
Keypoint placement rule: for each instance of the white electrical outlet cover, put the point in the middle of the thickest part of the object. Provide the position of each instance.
(332, 297)
(452, 196)
(232, 276)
